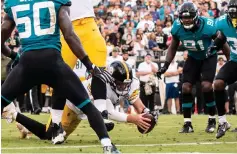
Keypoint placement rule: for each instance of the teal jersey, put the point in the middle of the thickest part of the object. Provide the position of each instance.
(198, 42)
(225, 26)
(36, 22)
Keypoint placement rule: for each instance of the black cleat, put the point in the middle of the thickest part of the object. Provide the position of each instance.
(58, 133)
(187, 128)
(108, 124)
(222, 128)
(211, 125)
(111, 150)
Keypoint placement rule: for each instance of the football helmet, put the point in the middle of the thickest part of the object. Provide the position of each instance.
(122, 77)
(232, 12)
(188, 15)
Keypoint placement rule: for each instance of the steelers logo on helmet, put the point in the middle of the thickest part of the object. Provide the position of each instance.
(188, 15)
(232, 12)
(122, 75)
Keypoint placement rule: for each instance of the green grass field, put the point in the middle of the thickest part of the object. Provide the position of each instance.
(164, 138)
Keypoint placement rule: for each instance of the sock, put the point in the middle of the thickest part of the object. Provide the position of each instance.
(210, 102)
(187, 105)
(212, 117)
(33, 126)
(187, 120)
(220, 101)
(222, 119)
(96, 121)
(100, 104)
(56, 116)
(105, 142)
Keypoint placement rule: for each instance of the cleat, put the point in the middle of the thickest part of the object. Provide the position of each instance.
(58, 134)
(8, 113)
(187, 128)
(111, 149)
(222, 128)
(211, 125)
(25, 133)
(108, 124)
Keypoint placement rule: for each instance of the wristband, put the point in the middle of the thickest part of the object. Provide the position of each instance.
(88, 64)
(167, 64)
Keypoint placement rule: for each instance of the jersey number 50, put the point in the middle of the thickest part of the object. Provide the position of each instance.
(36, 19)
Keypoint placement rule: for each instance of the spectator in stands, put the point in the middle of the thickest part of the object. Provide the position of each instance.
(146, 22)
(206, 12)
(172, 89)
(167, 29)
(145, 72)
(154, 46)
(115, 56)
(214, 9)
(139, 46)
(161, 38)
(127, 46)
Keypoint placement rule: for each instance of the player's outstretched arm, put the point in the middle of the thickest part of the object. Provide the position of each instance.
(71, 38)
(8, 26)
(170, 56)
(172, 50)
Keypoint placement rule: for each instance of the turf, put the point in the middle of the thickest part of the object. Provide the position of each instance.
(164, 138)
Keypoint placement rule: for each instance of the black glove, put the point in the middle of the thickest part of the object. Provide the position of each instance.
(100, 73)
(211, 50)
(163, 69)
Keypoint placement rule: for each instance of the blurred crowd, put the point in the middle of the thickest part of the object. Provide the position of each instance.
(139, 33)
(141, 26)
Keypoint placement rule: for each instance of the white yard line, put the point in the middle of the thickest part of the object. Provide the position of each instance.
(130, 145)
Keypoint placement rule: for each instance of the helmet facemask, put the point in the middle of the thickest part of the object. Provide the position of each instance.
(188, 19)
(122, 88)
(232, 12)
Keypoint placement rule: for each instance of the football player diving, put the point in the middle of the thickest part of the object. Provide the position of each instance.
(122, 86)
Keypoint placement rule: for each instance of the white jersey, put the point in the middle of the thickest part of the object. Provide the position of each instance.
(132, 96)
(112, 99)
(82, 9)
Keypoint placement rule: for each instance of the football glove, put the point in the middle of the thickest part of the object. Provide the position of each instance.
(163, 69)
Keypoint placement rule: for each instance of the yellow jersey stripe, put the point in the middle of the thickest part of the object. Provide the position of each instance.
(126, 69)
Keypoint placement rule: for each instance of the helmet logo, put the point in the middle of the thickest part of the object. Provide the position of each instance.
(111, 70)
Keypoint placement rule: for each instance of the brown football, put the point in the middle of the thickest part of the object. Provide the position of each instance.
(152, 123)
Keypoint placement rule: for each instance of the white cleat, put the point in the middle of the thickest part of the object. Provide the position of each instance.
(8, 113)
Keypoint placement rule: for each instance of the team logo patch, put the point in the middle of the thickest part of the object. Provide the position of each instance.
(111, 70)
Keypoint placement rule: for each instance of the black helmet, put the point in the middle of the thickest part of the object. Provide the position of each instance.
(232, 12)
(188, 15)
(122, 75)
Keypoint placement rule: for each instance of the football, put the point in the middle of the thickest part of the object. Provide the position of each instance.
(152, 123)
